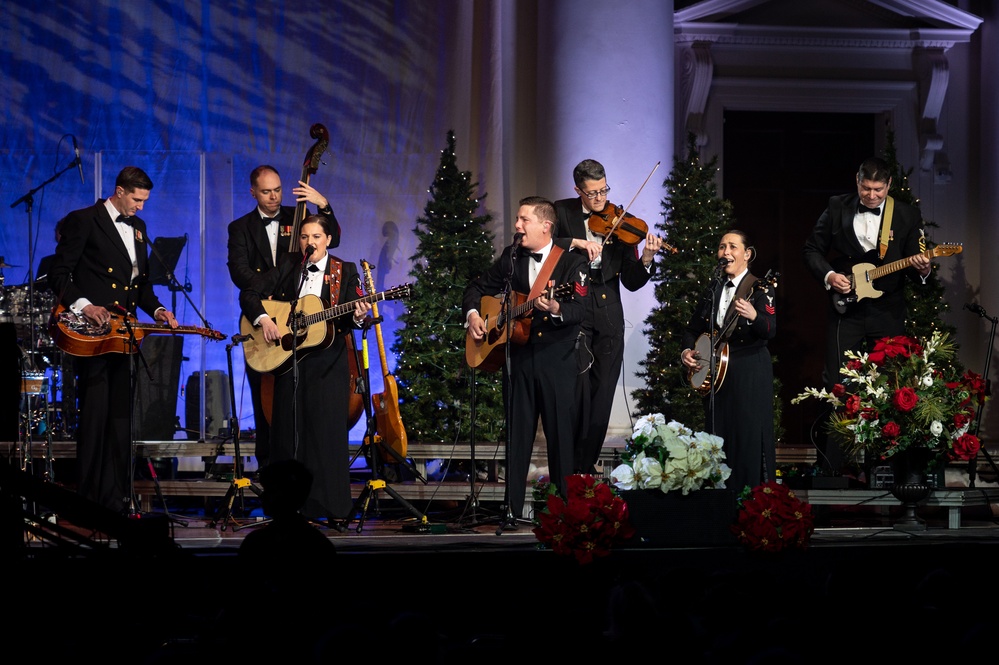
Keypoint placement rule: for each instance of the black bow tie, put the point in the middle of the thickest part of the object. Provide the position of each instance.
(534, 255)
(862, 208)
(124, 219)
(313, 267)
(268, 220)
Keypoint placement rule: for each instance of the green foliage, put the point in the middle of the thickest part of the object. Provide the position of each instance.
(455, 246)
(693, 221)
(926, 303)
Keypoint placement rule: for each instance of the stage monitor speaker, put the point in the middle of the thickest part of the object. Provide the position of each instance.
(218, 407)
(157, 389)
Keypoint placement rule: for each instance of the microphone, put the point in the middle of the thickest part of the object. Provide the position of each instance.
(517, 239)
(238, 339)
(309, 251)
(117, 309)
(722, 262)
(79, 163)
(977, 309)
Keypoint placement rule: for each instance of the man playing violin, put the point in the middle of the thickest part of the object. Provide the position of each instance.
(614, 260)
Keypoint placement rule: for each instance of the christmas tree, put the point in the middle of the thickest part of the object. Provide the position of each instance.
(926, 303)
(435, 388)
(694, 219)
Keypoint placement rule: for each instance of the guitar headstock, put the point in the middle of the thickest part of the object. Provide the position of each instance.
(399, 292)
(215, 335)
(769, 281)
(949, 249)
(369, 283)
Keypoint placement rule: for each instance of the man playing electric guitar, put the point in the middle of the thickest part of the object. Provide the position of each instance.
(866, 226)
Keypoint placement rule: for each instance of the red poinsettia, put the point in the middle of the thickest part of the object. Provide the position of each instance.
(586, 523)
(772, 518)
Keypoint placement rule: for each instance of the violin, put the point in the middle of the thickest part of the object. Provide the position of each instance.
(612, 223)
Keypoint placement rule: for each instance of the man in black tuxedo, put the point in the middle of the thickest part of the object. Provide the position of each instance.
(612, 263)
(101, 268)
(257, 241)
(864, 227)
(542, 379)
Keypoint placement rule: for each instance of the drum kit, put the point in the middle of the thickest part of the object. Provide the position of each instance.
(48, 395)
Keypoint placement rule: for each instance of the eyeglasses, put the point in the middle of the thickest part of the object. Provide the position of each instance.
(593, 195)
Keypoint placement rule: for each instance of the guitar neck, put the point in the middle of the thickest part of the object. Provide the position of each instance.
(370, 284)
(895, 266)
(165, 328)
(339, 310)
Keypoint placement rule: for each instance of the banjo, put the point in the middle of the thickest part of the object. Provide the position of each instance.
(716, 343)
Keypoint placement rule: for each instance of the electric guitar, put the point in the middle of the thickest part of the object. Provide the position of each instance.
(716, 343)
(388, 420)
(862, 276)
(488, 353)
(76, 336)
(307, 328)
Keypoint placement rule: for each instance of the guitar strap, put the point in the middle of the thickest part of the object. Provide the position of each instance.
(745, 288)
(334, 275)
(886, 227)
(541, 282)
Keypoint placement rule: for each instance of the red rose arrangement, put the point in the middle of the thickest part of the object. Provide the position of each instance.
(904, 394)
(586, 523)
(772, 518)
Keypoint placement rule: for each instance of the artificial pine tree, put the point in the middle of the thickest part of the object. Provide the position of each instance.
(926, 303)
(455, 246)
(693, 221)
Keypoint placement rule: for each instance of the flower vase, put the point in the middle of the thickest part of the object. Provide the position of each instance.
(910, 486)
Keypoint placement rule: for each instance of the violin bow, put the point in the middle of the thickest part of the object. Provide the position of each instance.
(620, 217)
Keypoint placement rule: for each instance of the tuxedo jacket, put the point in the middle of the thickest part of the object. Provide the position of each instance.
(544, 329)
(91, 261)
(283, 284)
(619, 262)
(249, 252)
(833, 245)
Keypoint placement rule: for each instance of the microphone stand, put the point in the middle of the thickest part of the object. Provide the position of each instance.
(134, 350)
(508, 519)
(295, 321)
(715, 338)
(973, 463)
(30, 367)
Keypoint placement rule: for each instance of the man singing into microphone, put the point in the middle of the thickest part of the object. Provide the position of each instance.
(100, 270)
(542, 375)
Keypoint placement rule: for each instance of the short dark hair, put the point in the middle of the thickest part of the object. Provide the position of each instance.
(263, 168)
(321, 220)
(132, 178)
(543, 208)
(588, 169)
(874, 168)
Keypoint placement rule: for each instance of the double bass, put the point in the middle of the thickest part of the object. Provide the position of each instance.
(355, 407)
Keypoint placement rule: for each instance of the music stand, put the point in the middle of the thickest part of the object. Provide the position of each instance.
(163, 261)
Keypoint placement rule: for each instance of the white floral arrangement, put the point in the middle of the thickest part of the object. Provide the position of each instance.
(670, 456)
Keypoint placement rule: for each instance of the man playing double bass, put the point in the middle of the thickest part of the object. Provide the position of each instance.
(257, 240)
(600, 347)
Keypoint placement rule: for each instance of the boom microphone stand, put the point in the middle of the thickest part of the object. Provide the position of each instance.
(973, 463)
(473, 497)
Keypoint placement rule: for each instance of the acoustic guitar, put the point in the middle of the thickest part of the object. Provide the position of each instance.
(77, 336)
(489, 352)
(716, 343)
(388, 420)
(862, 276)
(308, 328)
